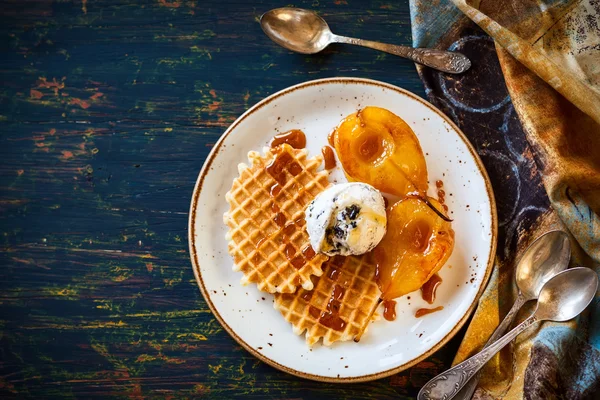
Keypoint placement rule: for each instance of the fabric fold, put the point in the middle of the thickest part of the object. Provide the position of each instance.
(530, 105)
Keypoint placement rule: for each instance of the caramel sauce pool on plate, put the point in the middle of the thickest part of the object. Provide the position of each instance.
(389, 310)
(430, 287)
(424, 311)
(295, 138)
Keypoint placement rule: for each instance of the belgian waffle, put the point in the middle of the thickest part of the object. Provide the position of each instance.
(341, 305)
(267, 234)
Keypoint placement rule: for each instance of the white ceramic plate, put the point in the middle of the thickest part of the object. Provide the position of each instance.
(316, 107)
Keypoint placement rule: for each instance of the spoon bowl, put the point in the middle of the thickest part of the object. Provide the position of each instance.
(544, 258)
(567, 294)
(296, 29)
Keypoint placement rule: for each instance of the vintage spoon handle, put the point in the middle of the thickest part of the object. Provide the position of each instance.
(445, 61)
(469, 388)
(447, 384)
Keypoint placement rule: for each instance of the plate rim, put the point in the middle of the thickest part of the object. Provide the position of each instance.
(196, 265)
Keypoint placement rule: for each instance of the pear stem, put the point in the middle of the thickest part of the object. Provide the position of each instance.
(438, 212)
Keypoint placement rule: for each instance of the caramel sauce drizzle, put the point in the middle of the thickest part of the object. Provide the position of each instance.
(288, 230)
(314, 312)
(389, 310)
(261, 241)
(424, 311)
(295, 138)
(290, 251)
(338, 292)
(275, 190)
(297, 262)
(283, 161)
(330, 317)
(441, 194)
(307, 295)
(280, 219)
(277, 168)
(333, 274)
(329, 157)
(308, 253)
(294, 168)
(338, 261)
(430, 287)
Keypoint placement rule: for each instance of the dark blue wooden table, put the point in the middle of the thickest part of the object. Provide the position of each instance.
(108, 110)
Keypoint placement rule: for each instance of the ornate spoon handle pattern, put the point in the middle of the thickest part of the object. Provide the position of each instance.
(445, 61)
(467, 391)
(447, 384)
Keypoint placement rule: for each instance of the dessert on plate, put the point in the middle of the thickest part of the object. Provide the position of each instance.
(267, 232)
(340, 306)
(418, 243)
(377, 147)
(331, 254)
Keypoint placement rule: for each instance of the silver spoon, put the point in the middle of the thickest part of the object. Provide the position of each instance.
(548, 255)
(562, 298)
(303, 31)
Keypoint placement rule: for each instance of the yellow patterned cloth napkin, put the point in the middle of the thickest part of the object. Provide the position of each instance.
(541, 146)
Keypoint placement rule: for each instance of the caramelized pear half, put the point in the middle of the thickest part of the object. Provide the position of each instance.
(377, 147)
(417, 244)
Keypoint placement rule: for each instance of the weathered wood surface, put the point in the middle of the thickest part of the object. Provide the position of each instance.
(108, 110)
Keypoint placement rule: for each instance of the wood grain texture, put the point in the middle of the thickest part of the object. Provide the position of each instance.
(108, 110)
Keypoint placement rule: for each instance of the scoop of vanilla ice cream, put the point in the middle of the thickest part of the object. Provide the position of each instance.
(346, 219)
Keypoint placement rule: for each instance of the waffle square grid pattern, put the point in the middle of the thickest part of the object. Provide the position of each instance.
(267, 234)
(340, 307)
